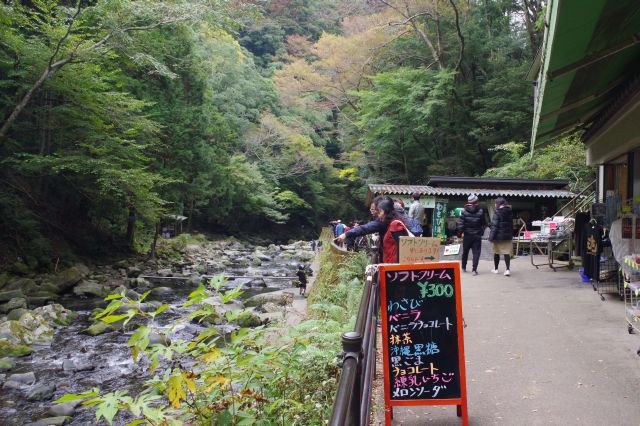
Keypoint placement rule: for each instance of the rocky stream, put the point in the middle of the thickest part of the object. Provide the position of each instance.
(52, 346)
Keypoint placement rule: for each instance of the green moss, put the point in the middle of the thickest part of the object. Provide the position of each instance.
(10, 349)
(247, 319)
(98, 328)
(68, 319)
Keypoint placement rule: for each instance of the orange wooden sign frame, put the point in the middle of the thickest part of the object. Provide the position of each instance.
(460, 403)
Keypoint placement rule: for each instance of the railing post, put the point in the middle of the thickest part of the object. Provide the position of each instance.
(352, 347)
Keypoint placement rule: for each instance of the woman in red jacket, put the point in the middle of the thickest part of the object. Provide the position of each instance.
(396, 228)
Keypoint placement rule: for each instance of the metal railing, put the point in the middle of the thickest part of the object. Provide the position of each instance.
(353, 398)
(581, 201)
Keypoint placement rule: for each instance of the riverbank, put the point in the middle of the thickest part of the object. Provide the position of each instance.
(67, 361)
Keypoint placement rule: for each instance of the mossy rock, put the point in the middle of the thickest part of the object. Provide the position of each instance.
(98, 328)
(71, 317)
(4, 279)
(7, 364)
(15, 314)
(211, 319)
(13, 349)
(248, 319)
(20, 268)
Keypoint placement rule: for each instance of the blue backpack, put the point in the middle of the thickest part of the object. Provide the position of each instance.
(413, 225)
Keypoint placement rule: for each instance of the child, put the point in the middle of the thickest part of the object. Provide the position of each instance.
(302, 277)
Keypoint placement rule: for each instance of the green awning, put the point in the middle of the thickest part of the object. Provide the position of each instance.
(590, 53)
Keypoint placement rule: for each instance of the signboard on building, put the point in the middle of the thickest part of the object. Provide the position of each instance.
(439, 224)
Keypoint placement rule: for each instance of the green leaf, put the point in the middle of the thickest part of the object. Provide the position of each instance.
(114, 296)
(113, 318)
(108, 408)
(161, 309)
(75, 397)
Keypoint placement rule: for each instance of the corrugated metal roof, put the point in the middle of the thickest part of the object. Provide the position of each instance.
(433, 191)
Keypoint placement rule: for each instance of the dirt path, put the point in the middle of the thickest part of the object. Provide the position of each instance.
(296, 312)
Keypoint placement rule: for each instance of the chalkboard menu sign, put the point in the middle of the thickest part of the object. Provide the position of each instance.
(423, 343)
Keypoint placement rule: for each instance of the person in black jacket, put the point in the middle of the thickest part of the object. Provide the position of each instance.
(501, 234)
(471, 226)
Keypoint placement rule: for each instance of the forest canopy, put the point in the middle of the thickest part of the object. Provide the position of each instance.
(262, 118)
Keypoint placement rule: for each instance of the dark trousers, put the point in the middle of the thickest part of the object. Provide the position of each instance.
(471, 242)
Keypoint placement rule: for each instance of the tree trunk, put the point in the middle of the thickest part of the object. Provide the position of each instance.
(152, 251)
(190, 217)
(131, 226)
(533, 41)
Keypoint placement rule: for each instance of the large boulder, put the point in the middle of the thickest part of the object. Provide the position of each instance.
(26, 285)
(5, 296)
(41, 391)
(7, 363)
(8, 348)
(88, 288)
(56, 314)
(4, 279)
(15, 303)
(278, 298)
(165, 272)
(257, 282)
(36, 330)
(133, 271)
(20, 381)
(16, 314)
(48, 286)
(36, 327)
(248, 319)
(68, 278)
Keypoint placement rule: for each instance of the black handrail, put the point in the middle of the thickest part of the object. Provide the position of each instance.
(353, 398)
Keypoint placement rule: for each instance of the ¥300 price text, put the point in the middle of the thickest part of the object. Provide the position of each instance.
(428, 289)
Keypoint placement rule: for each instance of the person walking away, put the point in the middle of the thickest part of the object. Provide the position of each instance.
(501, 235)
(302, 277)
(416, 209)
(339, 228)
(470, 227)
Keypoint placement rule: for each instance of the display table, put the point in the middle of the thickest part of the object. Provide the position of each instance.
(551, 248)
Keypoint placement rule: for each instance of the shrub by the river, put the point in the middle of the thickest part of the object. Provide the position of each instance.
(242, 378)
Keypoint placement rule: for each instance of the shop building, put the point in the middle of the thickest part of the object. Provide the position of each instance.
(530, 199)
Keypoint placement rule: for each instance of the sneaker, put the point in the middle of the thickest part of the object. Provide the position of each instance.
(507, 273)
(495, 271)
(475, 272)
(464, 270)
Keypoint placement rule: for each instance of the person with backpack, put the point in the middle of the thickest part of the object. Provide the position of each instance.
(412, 223)
(502, 234)
(471, 226)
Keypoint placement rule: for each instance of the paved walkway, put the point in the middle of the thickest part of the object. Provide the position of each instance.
(541, 349)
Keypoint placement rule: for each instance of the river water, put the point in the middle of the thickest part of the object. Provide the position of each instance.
(107, 359)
